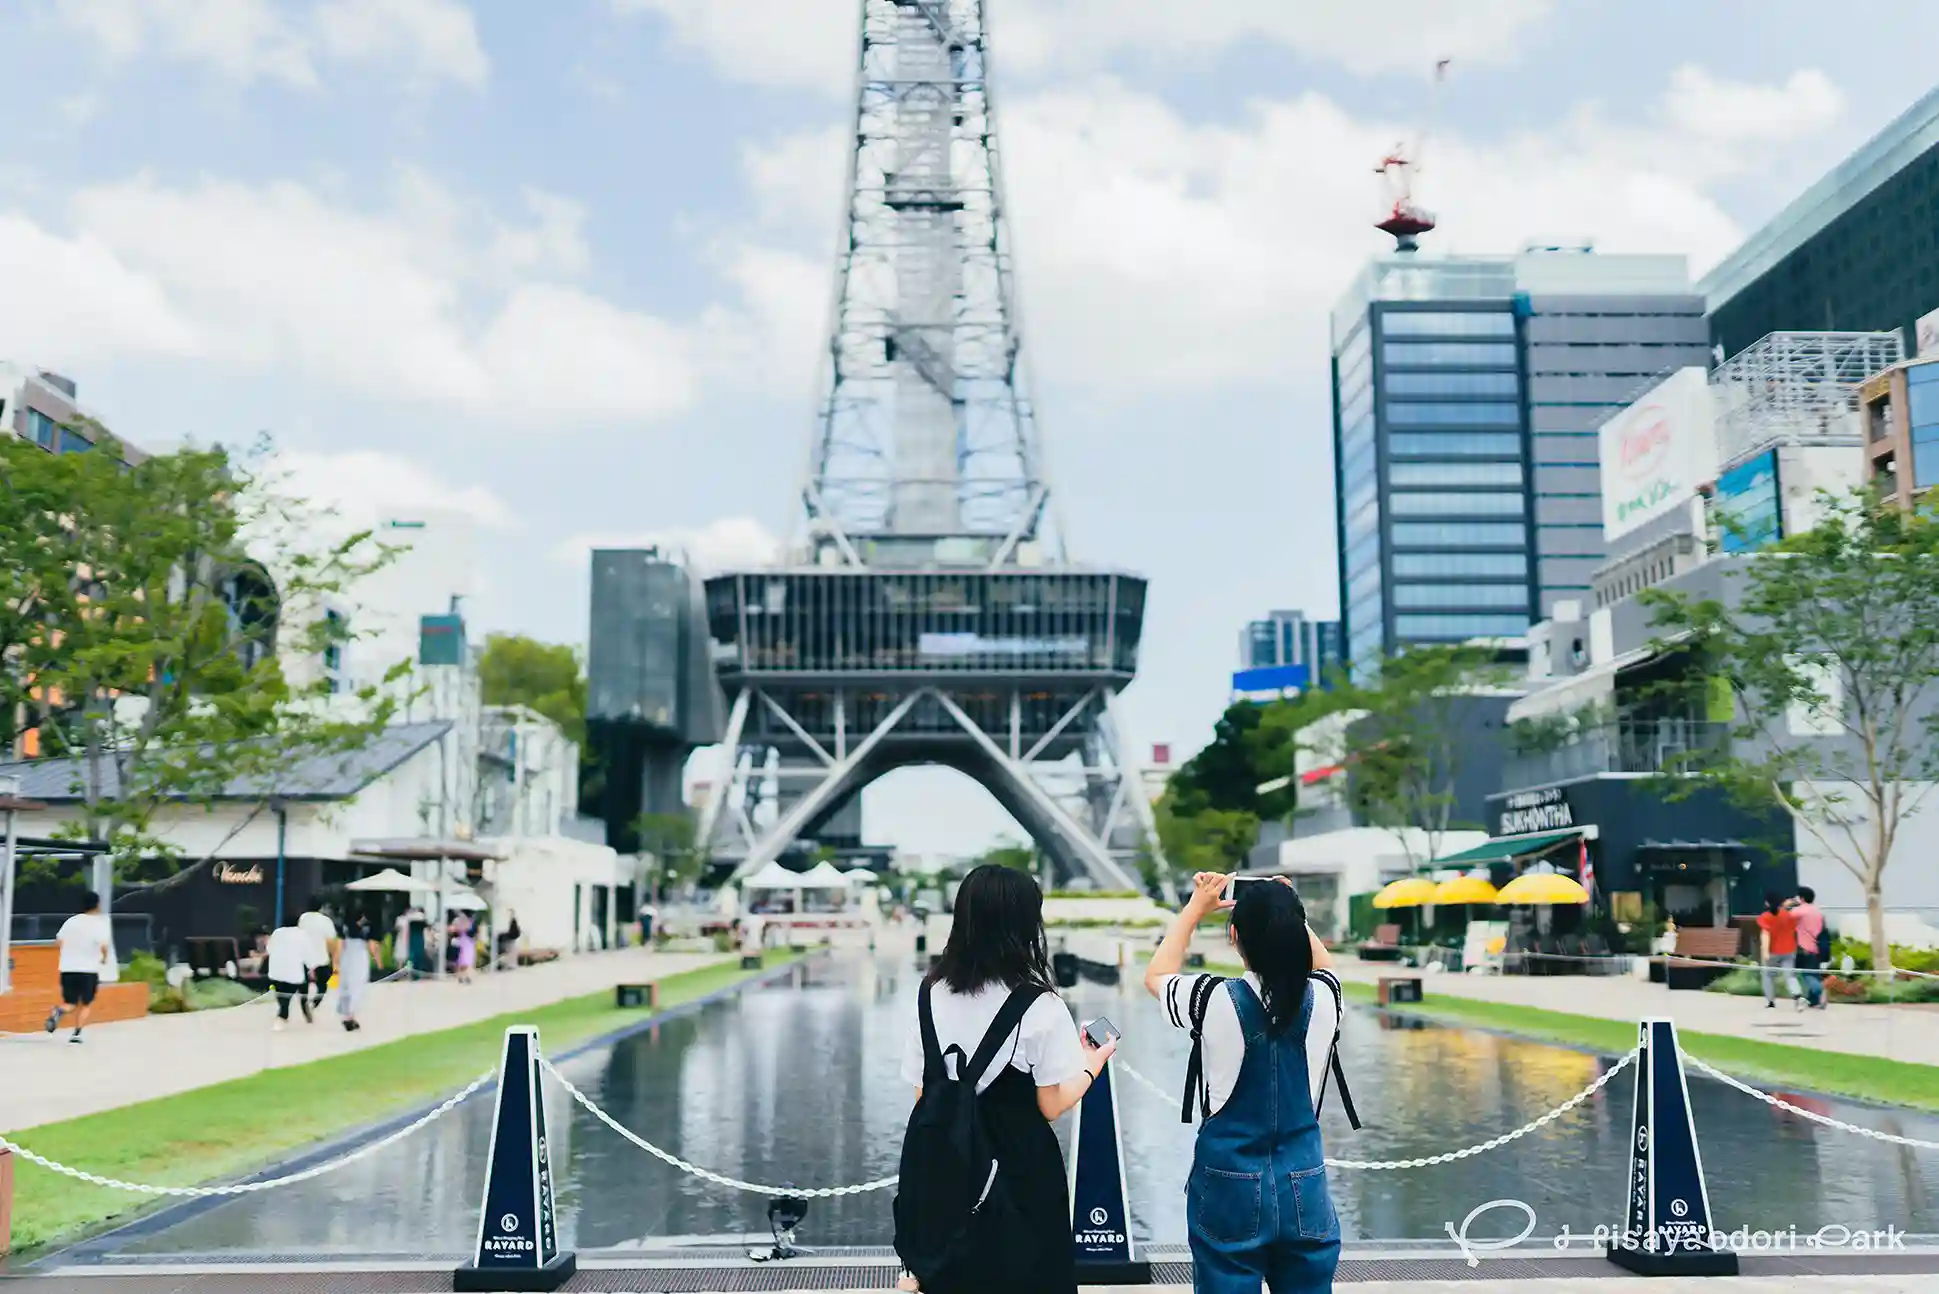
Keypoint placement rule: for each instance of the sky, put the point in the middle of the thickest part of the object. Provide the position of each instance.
(566, 266)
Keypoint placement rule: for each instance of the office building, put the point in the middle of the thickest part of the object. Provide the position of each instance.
(43, 409)
(1289, 638)
(1854, 253)
(1901, 419)
(1467, 395)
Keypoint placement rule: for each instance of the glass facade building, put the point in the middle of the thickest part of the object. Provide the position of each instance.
(1467, 394)
(1289, 638)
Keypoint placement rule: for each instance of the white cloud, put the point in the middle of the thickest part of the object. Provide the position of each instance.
(75, 302)
(811, 44)
(726, 544)
(263, 40)
(366, 486)
(1711, 108)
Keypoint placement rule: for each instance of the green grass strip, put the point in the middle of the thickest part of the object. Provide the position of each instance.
(228, 1130)
(1764, 1064)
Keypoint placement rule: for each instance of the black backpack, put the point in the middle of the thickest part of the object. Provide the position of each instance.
(953, 1210)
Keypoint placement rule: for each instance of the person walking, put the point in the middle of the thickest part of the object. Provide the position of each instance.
(1257, 1207)
(86, 948)
(1777, 939)
(1813, 946)
(353, 968)
(465, 946)
(324, 947)
(986, 1014)
(290, 964)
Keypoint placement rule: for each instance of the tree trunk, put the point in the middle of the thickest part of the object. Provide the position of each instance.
(1875, 915)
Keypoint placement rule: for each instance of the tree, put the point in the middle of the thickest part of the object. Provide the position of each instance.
(549, 678)
(1406, 754)
(1010, 854)
(1209, 840)
(150, 610)
(1830, 646)
(669, 850)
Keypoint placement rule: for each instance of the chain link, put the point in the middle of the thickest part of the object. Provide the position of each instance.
(1447, 1157)
(705, 1175)
(1782, 1104)
(247, 1188)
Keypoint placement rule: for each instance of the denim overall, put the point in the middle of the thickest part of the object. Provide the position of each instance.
(1257, 1201)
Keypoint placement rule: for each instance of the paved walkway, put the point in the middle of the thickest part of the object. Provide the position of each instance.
(45, 1079)
(1909, 1033)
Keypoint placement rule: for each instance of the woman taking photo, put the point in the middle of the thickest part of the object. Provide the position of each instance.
(996, 968)
(1256, 1204)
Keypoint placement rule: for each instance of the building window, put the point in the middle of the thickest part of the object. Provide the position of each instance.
(1465, 504)
(1473, 444)
(1460, 596)
(1436, 323)
(73, 442)
(1453, 383)
(42, 430)
(1458, 626)
(1460, 564)
(1435, 354)
(1401, 414)
(1441, 534)
(1455, 473)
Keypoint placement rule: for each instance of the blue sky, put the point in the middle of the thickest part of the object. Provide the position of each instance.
(564, 265)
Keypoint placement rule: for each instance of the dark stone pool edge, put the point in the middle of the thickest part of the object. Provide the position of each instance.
(112, 1235)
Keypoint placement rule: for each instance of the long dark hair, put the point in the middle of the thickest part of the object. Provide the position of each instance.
(1270, 923)
(996, 935)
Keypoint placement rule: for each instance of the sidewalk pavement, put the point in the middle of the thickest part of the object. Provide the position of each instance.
(1908, 1032)
(44, 1079)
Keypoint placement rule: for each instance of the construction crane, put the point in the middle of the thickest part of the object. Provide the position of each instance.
(1406, 219)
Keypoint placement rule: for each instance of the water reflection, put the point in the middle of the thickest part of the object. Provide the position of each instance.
(797, 1083)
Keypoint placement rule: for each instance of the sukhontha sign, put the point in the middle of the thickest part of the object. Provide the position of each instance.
(1656, 452)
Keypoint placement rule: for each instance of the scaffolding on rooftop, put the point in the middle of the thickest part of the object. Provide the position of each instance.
(1797, 388)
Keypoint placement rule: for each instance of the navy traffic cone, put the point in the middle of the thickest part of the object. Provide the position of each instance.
(1100, 1213)
(1667, 1227)
(518, 1233)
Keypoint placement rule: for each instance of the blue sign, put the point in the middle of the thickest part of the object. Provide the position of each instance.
(518, 1237)
(1666, 1216)
(1100, 1214)
(1273, 678)
(1748, 498)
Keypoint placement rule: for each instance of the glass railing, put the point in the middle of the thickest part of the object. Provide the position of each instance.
(1624, 746)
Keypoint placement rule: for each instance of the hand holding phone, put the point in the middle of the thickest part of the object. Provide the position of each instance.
(1100, 1031)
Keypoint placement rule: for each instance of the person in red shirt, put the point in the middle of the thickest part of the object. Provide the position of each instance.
(1777, 941)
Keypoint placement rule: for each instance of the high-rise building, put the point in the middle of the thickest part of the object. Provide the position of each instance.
(1467, 394)
(1289, 638)
(1854, 252)
(43, 409)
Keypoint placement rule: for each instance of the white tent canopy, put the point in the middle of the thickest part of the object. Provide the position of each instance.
(861, 876)
(391, 881)
(822, 876)
(772, 877)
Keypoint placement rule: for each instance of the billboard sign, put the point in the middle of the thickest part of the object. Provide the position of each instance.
(1925, 334)
(1747, 497)
(1272, 679)
(1656, 452)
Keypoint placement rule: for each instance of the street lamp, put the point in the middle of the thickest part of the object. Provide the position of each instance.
(9, 796)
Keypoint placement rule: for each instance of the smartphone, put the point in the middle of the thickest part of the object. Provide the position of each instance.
(1232, 886)
(1100, 1031)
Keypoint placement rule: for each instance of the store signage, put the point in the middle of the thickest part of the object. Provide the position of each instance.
(1749, 506)
(1655, 452)
(232, 874)
(1530, 811)
(1925, 334)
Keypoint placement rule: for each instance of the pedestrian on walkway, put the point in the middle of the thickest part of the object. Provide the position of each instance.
(87, 947)
(324, 947)
(290, 965)
(1257, 1207)
(1777, 940)
(1813, 945)
(465, 947)
(353, 968)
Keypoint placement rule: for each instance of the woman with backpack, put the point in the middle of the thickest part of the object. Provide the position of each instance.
(995, 1059)
(1263, 1048)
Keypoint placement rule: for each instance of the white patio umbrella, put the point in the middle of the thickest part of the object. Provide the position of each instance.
(465, 901)
(391, 881)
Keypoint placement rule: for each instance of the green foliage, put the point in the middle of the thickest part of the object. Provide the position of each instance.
(1840, 625)
(1210, 840)
(144, 968)
(1016, 857)
(547, 677)
(669, 850)
(146, 614)
(1923, 960)
(1094, 894)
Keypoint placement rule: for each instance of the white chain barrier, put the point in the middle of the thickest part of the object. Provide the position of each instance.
(705, 1175)
(248, 1188)
(1780, 1103)
(1446, 1157)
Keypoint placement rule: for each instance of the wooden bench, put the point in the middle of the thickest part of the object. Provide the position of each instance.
(1705, 943)
(1383, 947)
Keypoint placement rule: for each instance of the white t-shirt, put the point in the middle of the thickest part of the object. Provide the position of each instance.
(83, 938)
(291, 954)
(321, 931)
(1044, 1046)
(1224, 1042)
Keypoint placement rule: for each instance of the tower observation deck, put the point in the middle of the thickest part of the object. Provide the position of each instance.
(927, 613)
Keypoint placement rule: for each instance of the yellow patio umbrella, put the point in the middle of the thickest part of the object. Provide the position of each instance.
(1409, 892)
(1465, 889)
(1542, 889)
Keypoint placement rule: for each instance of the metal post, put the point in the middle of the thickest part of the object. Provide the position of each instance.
(9, 787)
(282, 836)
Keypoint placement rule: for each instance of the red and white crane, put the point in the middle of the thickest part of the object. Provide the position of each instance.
(1406, 219)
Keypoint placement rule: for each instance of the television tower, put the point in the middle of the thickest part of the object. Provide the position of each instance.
(927, 613)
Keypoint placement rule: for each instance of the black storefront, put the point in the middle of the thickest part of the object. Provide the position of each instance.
(1697, 858)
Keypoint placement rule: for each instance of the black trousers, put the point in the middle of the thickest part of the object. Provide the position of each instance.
(284, 992)
(320, 978)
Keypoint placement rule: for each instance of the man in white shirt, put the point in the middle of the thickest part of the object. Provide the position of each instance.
(290, 954)
(87, 944)
(325, 948)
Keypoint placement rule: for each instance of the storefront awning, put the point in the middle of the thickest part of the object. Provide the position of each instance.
(1503, 848)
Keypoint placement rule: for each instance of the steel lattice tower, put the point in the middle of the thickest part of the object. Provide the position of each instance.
(928, 613)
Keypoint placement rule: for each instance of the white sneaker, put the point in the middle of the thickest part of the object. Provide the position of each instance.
(277, 1027)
